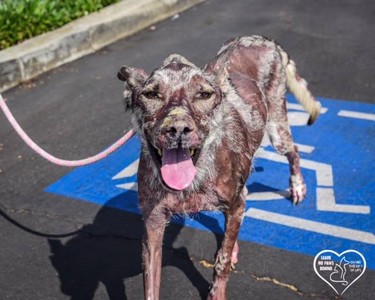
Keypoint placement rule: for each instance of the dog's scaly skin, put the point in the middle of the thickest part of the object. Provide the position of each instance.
(222, 114)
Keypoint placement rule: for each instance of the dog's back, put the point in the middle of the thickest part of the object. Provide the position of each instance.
(258, 68)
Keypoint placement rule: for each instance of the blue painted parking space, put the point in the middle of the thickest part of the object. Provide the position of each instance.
(337, 155)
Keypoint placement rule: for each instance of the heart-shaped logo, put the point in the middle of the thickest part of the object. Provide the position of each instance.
(339, 271)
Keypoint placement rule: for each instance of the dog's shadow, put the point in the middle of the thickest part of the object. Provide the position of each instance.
(109, 250)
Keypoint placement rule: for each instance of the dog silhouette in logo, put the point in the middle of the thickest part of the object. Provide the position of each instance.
(340, 272)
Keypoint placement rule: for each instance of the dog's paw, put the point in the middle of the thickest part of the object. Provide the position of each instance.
(297, 188)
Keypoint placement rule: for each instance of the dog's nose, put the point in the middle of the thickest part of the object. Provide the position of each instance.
(179, 128)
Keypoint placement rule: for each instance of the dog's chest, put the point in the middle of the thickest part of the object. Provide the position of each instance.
(192, 203)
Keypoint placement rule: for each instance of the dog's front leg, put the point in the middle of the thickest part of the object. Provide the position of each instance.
(233, 217)
(152, 254)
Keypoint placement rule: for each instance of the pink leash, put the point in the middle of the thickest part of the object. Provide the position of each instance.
(53, 159)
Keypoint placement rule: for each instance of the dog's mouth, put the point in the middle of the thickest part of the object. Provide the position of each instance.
(177, 166)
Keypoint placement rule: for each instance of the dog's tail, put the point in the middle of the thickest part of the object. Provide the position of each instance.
(298, 86)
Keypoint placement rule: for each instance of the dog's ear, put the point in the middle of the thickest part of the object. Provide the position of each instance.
(134, 79)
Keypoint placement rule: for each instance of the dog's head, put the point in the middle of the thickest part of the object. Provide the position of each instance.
(172, 109)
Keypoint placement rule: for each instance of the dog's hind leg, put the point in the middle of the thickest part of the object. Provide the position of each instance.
(223, 263)
(152, 254)
(236, 248)
(281, 138)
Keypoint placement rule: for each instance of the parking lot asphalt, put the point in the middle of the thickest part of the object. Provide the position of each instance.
(55, 247)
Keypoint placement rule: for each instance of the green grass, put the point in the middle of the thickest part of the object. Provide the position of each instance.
(24, 19)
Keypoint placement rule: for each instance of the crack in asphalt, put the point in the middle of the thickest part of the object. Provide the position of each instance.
(278, 283)
(291, 287)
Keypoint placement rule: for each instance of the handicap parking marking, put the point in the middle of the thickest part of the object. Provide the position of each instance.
(337, 157)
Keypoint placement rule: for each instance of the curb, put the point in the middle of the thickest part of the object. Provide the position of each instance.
(83, 36)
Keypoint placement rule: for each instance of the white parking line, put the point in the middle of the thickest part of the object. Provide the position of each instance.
(323, 228)
(265, 196)
(131, 186)
(325, 197)
(323, 171)
(301, 147)
(296, 106)
(326, 202)
(304, 148)
(356, 115)
(129, 171)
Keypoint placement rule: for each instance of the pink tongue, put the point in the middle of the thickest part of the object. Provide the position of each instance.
(177, 168)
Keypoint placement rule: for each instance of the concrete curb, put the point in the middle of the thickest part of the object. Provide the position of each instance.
(83, 36)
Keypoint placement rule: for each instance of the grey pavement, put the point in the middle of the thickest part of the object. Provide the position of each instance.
(54, 247)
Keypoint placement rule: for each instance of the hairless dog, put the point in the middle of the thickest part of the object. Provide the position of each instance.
(200, 129)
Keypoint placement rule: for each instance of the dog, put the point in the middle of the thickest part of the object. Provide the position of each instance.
(200, 129)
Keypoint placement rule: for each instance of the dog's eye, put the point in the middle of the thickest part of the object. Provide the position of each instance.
(205, 95)
(151, 95)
